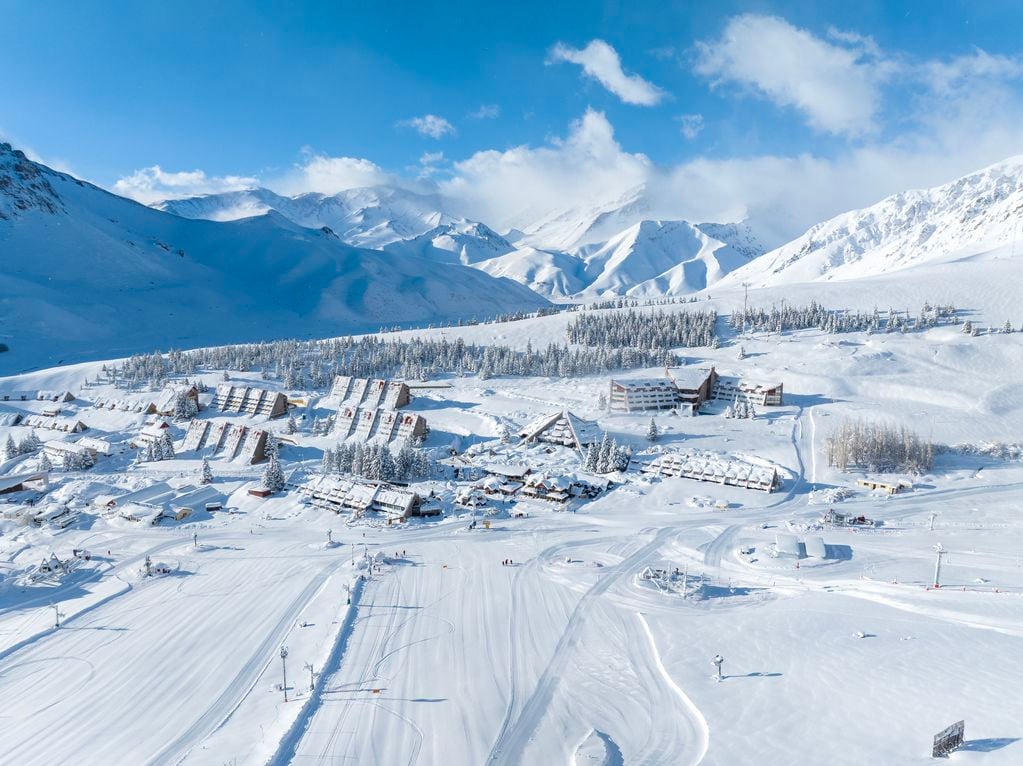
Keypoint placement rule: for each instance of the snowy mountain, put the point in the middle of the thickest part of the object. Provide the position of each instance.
(666, 258)
(585, 223)
(548, 272)
(647, 259)
(87, 274)
(975, 213)
(366, 217)
(462, 241)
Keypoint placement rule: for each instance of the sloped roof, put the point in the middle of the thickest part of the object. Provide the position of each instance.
(563, 426)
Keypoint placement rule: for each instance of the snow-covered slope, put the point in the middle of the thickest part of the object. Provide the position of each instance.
(549, 272)
(666, 258)
(973, 214)
(87, 274)
(366, 217)
(584, 223)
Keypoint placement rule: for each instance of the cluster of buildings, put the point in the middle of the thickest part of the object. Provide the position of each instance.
(230, 441)
(163, 403)
(357, 496)
(685, 389)
(248, 400)
(368, 411)
(36, 396)
(161, 502)
(515, 481)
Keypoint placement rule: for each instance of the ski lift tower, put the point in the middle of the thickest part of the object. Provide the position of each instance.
(717, 662)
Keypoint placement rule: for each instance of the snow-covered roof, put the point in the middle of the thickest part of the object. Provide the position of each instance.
(645, 383)
(562, 427)
(689, 378)
(508, 470)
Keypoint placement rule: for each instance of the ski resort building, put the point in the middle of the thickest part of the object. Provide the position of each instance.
(337, 494)
(141, 404)
(563, 428)
(250, 401)
(694, 385)
(37, 396)
(719, 469)
(366, 424)
(682, 388)
(730, 388)
(367, 393)
(643, 395)
(230, 441)
(96, 446)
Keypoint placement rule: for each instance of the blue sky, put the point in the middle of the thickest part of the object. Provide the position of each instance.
(872, 96)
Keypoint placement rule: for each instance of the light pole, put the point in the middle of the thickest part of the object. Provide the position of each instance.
(284, 668)
(57, 614)
(940, 550)
(718, 661)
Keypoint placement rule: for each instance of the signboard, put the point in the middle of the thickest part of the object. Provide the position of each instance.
(948, 740)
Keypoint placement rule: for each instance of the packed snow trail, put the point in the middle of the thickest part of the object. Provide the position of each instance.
(697, 722)
(515, 734)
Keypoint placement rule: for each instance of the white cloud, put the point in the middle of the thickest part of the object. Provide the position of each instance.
(330, 175)
(601, 62)
(522, 184)
(486, 112)
(153, 184)
(945, 77)
(690, 125)
(429, 125)
(836, 87)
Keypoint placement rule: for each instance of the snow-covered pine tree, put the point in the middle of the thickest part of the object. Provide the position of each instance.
(404, 461)
(154, 452)
(273, 475)
(44, 462)
(29, 444)
(605, 455)
(10, 448)
(291, 427)
(205, 473)
(167, 446)
(387, 467)
(503, 433)
(592, 457)
(602, 402)
(652, 433)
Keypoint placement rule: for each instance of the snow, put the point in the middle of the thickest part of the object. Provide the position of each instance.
(447, 654)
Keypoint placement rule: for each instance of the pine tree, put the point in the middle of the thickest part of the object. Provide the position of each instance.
(44, 463)
(652, 433)
(592, 457)
(604, 456)
(155, 451)
(292, 426)
(602, 402)
(167, 446)
(327, 463)
(273, 475)
(504, 434)
(10, 448)
(205, 473)
(29, 444)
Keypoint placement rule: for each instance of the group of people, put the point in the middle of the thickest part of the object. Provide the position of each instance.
(507, 563)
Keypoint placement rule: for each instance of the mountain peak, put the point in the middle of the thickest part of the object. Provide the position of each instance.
(24, 185)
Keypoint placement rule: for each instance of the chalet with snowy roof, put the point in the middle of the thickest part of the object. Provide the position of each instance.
(554, 489)
(248, 400)
(144, 404)
(17, 396)
(364, 392)
(339, 494)
(59, 452)
(562, 428)
(166, 403)
(68, 425)
(729, 388)
(35, 395)
(150, 434)
(97, 447)
(54, 396)
(229, 441)
(376, 423)
(507, 471)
